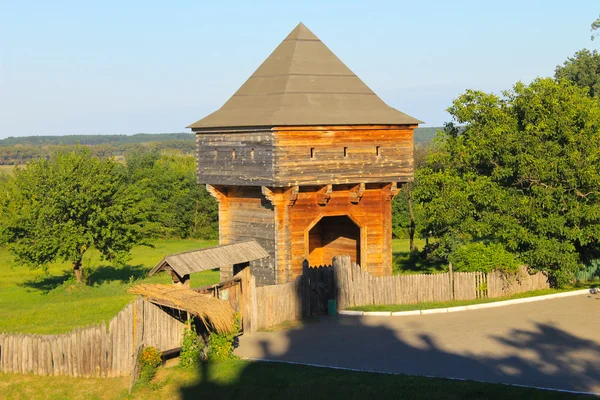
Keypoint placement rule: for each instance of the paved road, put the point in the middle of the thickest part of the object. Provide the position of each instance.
(552, 344)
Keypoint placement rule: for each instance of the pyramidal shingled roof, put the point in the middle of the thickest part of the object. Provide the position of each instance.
(303, 83)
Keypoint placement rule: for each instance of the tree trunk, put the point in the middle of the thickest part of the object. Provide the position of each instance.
(412, 227)
(77, 271)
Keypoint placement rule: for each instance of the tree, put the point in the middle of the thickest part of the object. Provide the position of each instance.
(57, 209)
(595, 27)
(583, 69)
(405, 211)
(181, 206)
(523, 171)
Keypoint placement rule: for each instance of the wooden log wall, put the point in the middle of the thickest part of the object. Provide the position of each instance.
(93, 351)
(235, 157)
(343, 154)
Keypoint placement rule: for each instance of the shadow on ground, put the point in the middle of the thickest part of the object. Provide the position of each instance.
(546, 357)
(95, 276)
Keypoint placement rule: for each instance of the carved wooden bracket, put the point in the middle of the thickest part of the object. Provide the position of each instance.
(286, 197)
(269, 194)
(356, 193)
(218, 192)
(390, 191)
(324, 194)
(292, 195)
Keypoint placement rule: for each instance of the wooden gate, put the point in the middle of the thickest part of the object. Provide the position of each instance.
(318, 286)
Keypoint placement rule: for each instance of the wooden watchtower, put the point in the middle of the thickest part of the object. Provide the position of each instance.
(305, 159)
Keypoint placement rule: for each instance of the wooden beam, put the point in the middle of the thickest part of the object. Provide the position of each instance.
(356, 193)
(324, 194)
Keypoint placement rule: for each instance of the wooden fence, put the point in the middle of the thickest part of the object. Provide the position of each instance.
(93, 351)
(356, 287)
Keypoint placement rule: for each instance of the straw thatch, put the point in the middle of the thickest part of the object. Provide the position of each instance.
(217, 315)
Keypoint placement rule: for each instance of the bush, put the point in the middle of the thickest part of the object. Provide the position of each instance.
(220, 346)
(480, 257)
(191, 347)
(149, 360)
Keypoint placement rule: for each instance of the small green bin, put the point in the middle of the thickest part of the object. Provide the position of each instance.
(331, 307)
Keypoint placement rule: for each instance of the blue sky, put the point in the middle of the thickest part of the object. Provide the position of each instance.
(78, 67)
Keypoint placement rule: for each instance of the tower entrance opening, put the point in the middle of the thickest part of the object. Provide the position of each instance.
(333, 236)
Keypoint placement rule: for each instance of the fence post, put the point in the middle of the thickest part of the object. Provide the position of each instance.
(451, 280)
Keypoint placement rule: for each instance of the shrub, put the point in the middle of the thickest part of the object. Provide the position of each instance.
(191, 347)
(149, 360)
(482, 257)
(220, 346)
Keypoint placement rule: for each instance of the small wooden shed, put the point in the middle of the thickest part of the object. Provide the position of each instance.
(229, 256)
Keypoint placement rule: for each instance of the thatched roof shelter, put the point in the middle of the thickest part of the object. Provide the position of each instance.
(217, 315)
(186, 263)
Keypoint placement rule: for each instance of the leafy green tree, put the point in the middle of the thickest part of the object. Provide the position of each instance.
(523, 171)
(595, 27)
(57, 209)
(405, 211)
(181, 206)
(583, 69)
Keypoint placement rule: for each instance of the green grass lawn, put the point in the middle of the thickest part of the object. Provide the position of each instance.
(34, 302)
(6, 169)
(457, 303)
(260, 380)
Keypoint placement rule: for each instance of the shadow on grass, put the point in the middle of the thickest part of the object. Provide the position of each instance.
(414, 262)
(95, 276)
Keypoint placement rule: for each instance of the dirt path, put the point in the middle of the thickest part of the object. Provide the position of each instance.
(550, 344)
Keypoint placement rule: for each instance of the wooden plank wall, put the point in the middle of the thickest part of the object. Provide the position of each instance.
(93, 351)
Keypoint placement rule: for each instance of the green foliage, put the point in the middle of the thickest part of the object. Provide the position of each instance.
(480, 257)
(220, 345)
(149, 360)
(583, 69)
(56, 209)
(191, 347)
(595, 26)
(522, 170)
(179, 205)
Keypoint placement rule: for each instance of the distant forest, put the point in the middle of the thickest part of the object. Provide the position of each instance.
(19, 150)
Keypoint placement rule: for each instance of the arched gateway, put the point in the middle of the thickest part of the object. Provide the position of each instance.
(305, 159)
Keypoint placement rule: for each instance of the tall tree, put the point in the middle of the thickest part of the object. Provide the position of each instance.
(583, 69)
(59, 208)
(595, 27)
(523, 171)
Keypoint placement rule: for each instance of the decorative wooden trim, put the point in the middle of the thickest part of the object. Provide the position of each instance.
(324, 194)
(356, 193)
(269, 194)
(390, 191)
